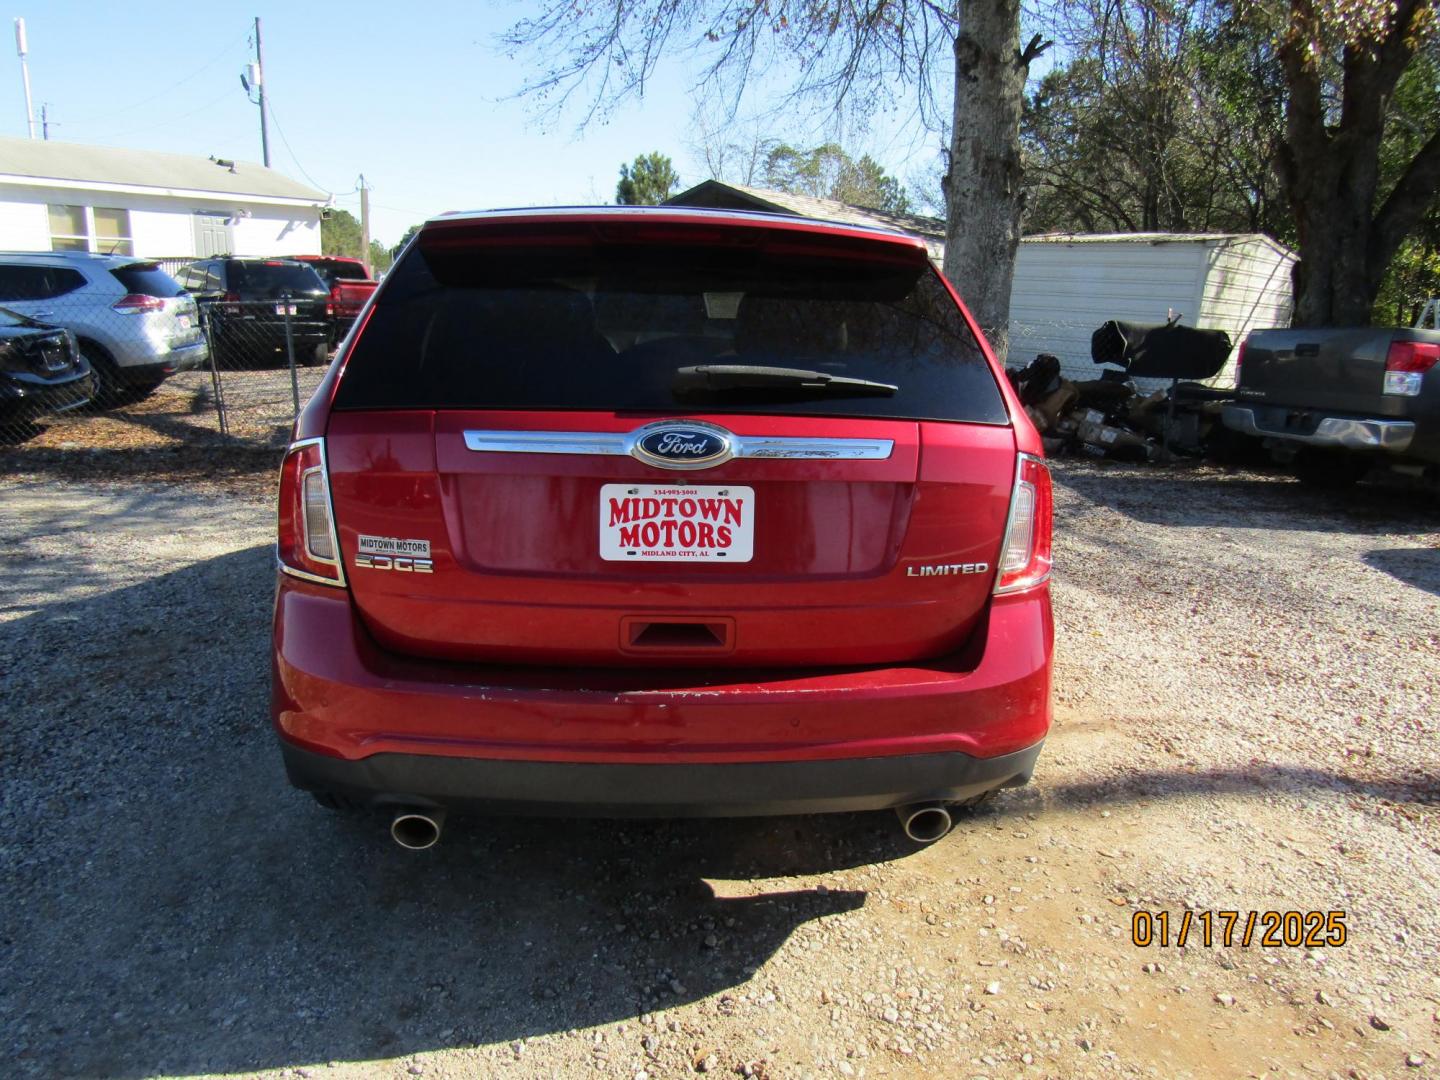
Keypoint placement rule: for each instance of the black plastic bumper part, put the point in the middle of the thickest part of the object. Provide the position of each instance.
(659, 790)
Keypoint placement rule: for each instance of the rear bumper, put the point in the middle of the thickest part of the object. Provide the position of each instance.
(1337, 432)
(258, 333)
(354, 718)
(706, 790)
(153, 372)
(188, 357)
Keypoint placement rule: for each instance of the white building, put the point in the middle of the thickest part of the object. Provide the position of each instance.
(1067, 285)
(57, 196)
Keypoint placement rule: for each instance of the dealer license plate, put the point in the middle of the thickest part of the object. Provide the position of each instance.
(676, 523)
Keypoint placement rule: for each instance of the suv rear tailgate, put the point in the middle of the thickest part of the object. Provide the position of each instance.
(580, 329)
(517, 574)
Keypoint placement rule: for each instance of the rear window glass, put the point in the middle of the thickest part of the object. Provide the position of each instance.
(582, 322)
(147, 279)
(347, 271)
(325, 270)
(333, 270)
(270, 277)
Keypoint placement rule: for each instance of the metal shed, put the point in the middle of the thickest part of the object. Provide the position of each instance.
(1067, 285)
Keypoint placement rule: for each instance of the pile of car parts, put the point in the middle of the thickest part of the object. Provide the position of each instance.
(1110, 417)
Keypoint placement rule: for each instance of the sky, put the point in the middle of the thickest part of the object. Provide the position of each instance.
(420, 100)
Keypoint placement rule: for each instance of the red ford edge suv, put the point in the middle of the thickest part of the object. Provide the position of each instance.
(662, 512)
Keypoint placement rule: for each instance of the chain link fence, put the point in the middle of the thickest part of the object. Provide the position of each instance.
(172, 372)
(81, 372)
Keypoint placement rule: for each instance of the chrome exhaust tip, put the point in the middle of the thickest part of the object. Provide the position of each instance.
(417, 830)
(925, 823)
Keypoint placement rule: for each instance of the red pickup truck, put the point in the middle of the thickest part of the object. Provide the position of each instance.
(350, 286)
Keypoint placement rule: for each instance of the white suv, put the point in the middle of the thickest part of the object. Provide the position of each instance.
(134, 322)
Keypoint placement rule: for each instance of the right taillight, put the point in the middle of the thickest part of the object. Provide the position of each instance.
(1406, 365)
(1025, 555)
(306, 542)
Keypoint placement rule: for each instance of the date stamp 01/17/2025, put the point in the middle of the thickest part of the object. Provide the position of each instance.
(1268, 929)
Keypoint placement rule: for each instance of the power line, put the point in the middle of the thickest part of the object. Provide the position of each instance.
(281, 132)
(162, 93)
(168, 121)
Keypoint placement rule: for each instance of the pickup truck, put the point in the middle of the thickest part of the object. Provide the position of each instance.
(350, 286)
(1338, 402)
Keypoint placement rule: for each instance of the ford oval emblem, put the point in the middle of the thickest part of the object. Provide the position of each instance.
(676, 445)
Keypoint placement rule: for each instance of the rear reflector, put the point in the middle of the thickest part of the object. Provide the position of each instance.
(1025, 556)
(306, 544)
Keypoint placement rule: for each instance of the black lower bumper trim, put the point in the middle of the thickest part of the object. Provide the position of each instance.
(144, 374)
(669, 790)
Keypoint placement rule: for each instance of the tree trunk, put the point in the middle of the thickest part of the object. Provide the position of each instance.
(983, 196)
(1331, 171)
(1333, 199)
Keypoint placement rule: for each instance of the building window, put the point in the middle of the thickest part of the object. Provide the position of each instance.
(69, 229)
(82, 228)
(112, 232)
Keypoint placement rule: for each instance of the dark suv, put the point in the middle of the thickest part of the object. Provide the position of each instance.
(668, 512)
(246, 301)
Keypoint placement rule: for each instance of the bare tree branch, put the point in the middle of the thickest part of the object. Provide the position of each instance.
(1417, 191)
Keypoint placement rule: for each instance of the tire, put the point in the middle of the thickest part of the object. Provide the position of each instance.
(1330, 470)
(319, 357)
(109, 390)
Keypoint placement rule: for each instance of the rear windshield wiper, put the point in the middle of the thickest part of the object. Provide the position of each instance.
(702, 377)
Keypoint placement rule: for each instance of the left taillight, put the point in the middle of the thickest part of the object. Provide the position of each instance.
(1025, 557)
(306, 542)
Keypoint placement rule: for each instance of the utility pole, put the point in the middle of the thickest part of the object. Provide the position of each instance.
(365, 223)
(260, 82)
(21, 49)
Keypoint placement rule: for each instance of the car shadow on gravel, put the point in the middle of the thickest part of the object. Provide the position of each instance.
(1256, 780)
(239, 465)
(174, 907)
(1418, 567)
(89, 530)
(1213, 498)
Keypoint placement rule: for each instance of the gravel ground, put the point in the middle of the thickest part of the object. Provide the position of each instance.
(180, 415)
(1246, 718)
